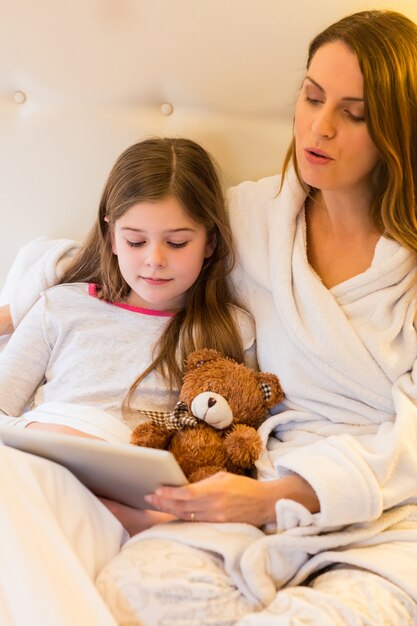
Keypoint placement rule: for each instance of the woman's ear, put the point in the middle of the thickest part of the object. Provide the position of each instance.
(210, 245)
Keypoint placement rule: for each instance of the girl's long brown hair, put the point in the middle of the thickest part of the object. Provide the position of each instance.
(385, 43)
(153, 169)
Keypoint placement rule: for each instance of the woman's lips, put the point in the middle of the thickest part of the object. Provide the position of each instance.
(316, 157)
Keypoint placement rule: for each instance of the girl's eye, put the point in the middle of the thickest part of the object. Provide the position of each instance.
(173, 244)
(135, 244)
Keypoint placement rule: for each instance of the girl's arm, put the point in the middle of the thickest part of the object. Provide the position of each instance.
(228, 497)
(60, 428)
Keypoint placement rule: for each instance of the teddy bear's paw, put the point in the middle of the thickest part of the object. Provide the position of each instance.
(244, 446)
(198, 448)
(150, 436)
(205, 472)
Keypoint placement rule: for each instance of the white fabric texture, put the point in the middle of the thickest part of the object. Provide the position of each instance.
(73, 348)
(187, 586)
(348, 424)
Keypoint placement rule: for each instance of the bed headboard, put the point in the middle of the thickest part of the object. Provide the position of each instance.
(80, 80)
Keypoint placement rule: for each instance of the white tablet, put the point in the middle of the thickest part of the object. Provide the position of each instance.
(121, 472)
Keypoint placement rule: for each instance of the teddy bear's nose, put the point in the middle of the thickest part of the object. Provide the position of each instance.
(211, 402)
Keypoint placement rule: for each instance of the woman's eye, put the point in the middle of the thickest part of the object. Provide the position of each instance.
(135, 244)
(313, 100)
(174, 244)
(355, 118)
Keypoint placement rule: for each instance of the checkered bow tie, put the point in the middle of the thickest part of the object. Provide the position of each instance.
(172, 420)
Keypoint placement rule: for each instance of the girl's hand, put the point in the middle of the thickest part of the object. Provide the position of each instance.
(59, 428)
(228, 497)
(135, 520)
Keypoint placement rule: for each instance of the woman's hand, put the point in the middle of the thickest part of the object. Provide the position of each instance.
(59, 428)
(228, 497)
(6, 324)
(135, 520)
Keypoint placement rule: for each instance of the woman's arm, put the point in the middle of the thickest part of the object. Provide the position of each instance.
(6, 324)
(228, 497)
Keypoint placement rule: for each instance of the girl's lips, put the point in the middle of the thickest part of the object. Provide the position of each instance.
(316, 157)
(155, 281)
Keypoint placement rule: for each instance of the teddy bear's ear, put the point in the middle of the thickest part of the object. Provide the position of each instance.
(271, 388)
(199, 357)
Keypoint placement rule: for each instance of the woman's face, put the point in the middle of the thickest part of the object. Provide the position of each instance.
(333, 147)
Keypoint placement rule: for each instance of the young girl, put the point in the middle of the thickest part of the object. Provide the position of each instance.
(147, 287)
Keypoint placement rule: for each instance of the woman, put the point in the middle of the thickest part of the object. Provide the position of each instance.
(328, 268)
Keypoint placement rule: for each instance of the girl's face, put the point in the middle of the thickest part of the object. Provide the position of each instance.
(333, 147)
(160, 252)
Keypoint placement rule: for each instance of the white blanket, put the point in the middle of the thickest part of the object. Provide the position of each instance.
(261, 564)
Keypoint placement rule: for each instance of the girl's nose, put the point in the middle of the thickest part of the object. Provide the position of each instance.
(155, 256)
(324, 124)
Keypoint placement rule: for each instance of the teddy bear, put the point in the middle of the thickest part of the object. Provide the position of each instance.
(214, 424)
